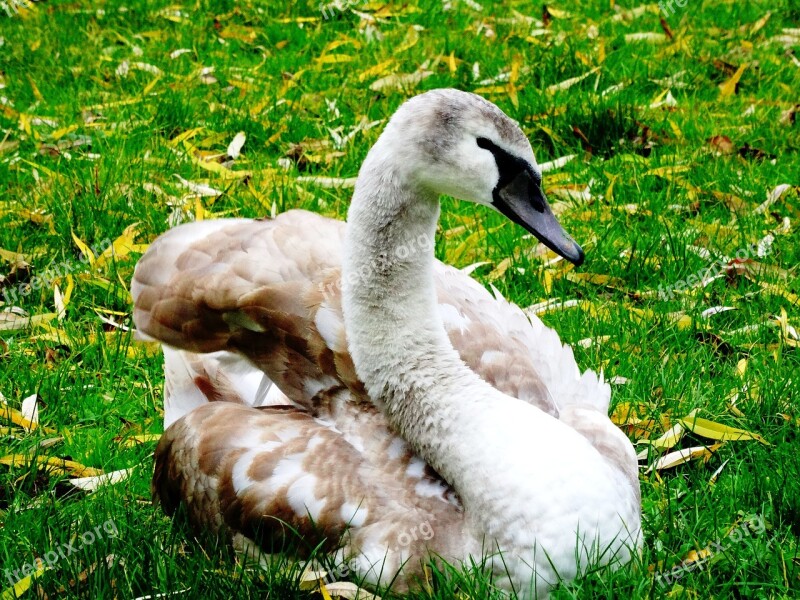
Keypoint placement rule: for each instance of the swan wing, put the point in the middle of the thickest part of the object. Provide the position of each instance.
(270, 291)
(277, 475)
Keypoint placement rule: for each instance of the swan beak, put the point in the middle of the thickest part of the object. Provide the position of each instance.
(524, 202)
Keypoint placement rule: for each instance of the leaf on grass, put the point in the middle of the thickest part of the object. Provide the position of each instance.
(681, 457)
(347, 590)
(772, 197)
(596, 279)
(14, 416)
(568, 83)
(50, 464)
(651, 37)
(122, 246)
(201, 189)
(235, 147)
(11, 321)
(84, 248)
(400, 81)
(722, 144)
(142, 438)
(668, 439)
(717, 431)
(91, 484)
(557, 163)
(381, 68)
(729, 87)
(30, 408)
(24, 584)
(329, 182)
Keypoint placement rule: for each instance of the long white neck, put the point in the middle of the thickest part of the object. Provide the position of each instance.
(496, 452)
(395, 333)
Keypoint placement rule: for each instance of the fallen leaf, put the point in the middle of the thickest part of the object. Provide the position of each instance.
(722, 144)
(681, 457)
(349, 591)
(30, 408)
(729, 87)
(91, 484)
(50, 464)
(235, 147)
(717, 431)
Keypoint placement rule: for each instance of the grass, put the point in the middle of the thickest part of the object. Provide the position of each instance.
(92, 139)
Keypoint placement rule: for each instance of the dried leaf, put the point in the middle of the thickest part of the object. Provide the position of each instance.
(235, 147)
(717, 431)
(729, 87)
(722, 144)
(30, 408)
(349, 591)
(24, 584)
(50, 464)
(681, 457)
(568, 83)
(91, 484)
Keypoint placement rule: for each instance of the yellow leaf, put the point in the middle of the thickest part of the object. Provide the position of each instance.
(334, 58)
(85, 250)
(59, 133)
(675, 129)
(144, 438)
(596, 279)
(491, 89)
(729, 87)
(717, 431)
(381, 68)
(10, 321)
(758, 25)
(50, 464)
(568, 83)
(16, 417)
(412, 37)
(186, 135)
(24, 584)
(680, 457)
(669, 171)
(670, 437)
(120, 247)
(500, 269)
(741, 367)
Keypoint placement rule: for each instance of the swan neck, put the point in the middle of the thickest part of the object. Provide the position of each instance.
(395, 333)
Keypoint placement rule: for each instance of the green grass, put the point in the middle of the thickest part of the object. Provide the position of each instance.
(657, 188)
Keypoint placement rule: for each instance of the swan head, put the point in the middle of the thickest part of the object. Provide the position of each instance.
(459, 144)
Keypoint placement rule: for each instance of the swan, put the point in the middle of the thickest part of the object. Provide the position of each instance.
(377, 431)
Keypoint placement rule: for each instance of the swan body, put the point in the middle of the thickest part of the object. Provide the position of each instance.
(371, 391)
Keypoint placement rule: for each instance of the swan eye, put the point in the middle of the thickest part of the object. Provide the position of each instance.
(508, 165)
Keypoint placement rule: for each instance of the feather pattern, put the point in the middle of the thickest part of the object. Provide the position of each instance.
(250, 312)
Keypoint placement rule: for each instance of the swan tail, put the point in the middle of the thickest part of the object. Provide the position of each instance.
(192, 380)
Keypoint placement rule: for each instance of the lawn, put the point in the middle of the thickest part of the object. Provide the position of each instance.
(673, 147)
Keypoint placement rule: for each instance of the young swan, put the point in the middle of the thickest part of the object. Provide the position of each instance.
(544, 495)
(531, 486)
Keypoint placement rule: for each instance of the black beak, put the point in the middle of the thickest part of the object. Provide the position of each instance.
(519, 197)
(523, 201)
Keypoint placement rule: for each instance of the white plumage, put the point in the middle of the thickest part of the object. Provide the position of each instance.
(395, 391)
